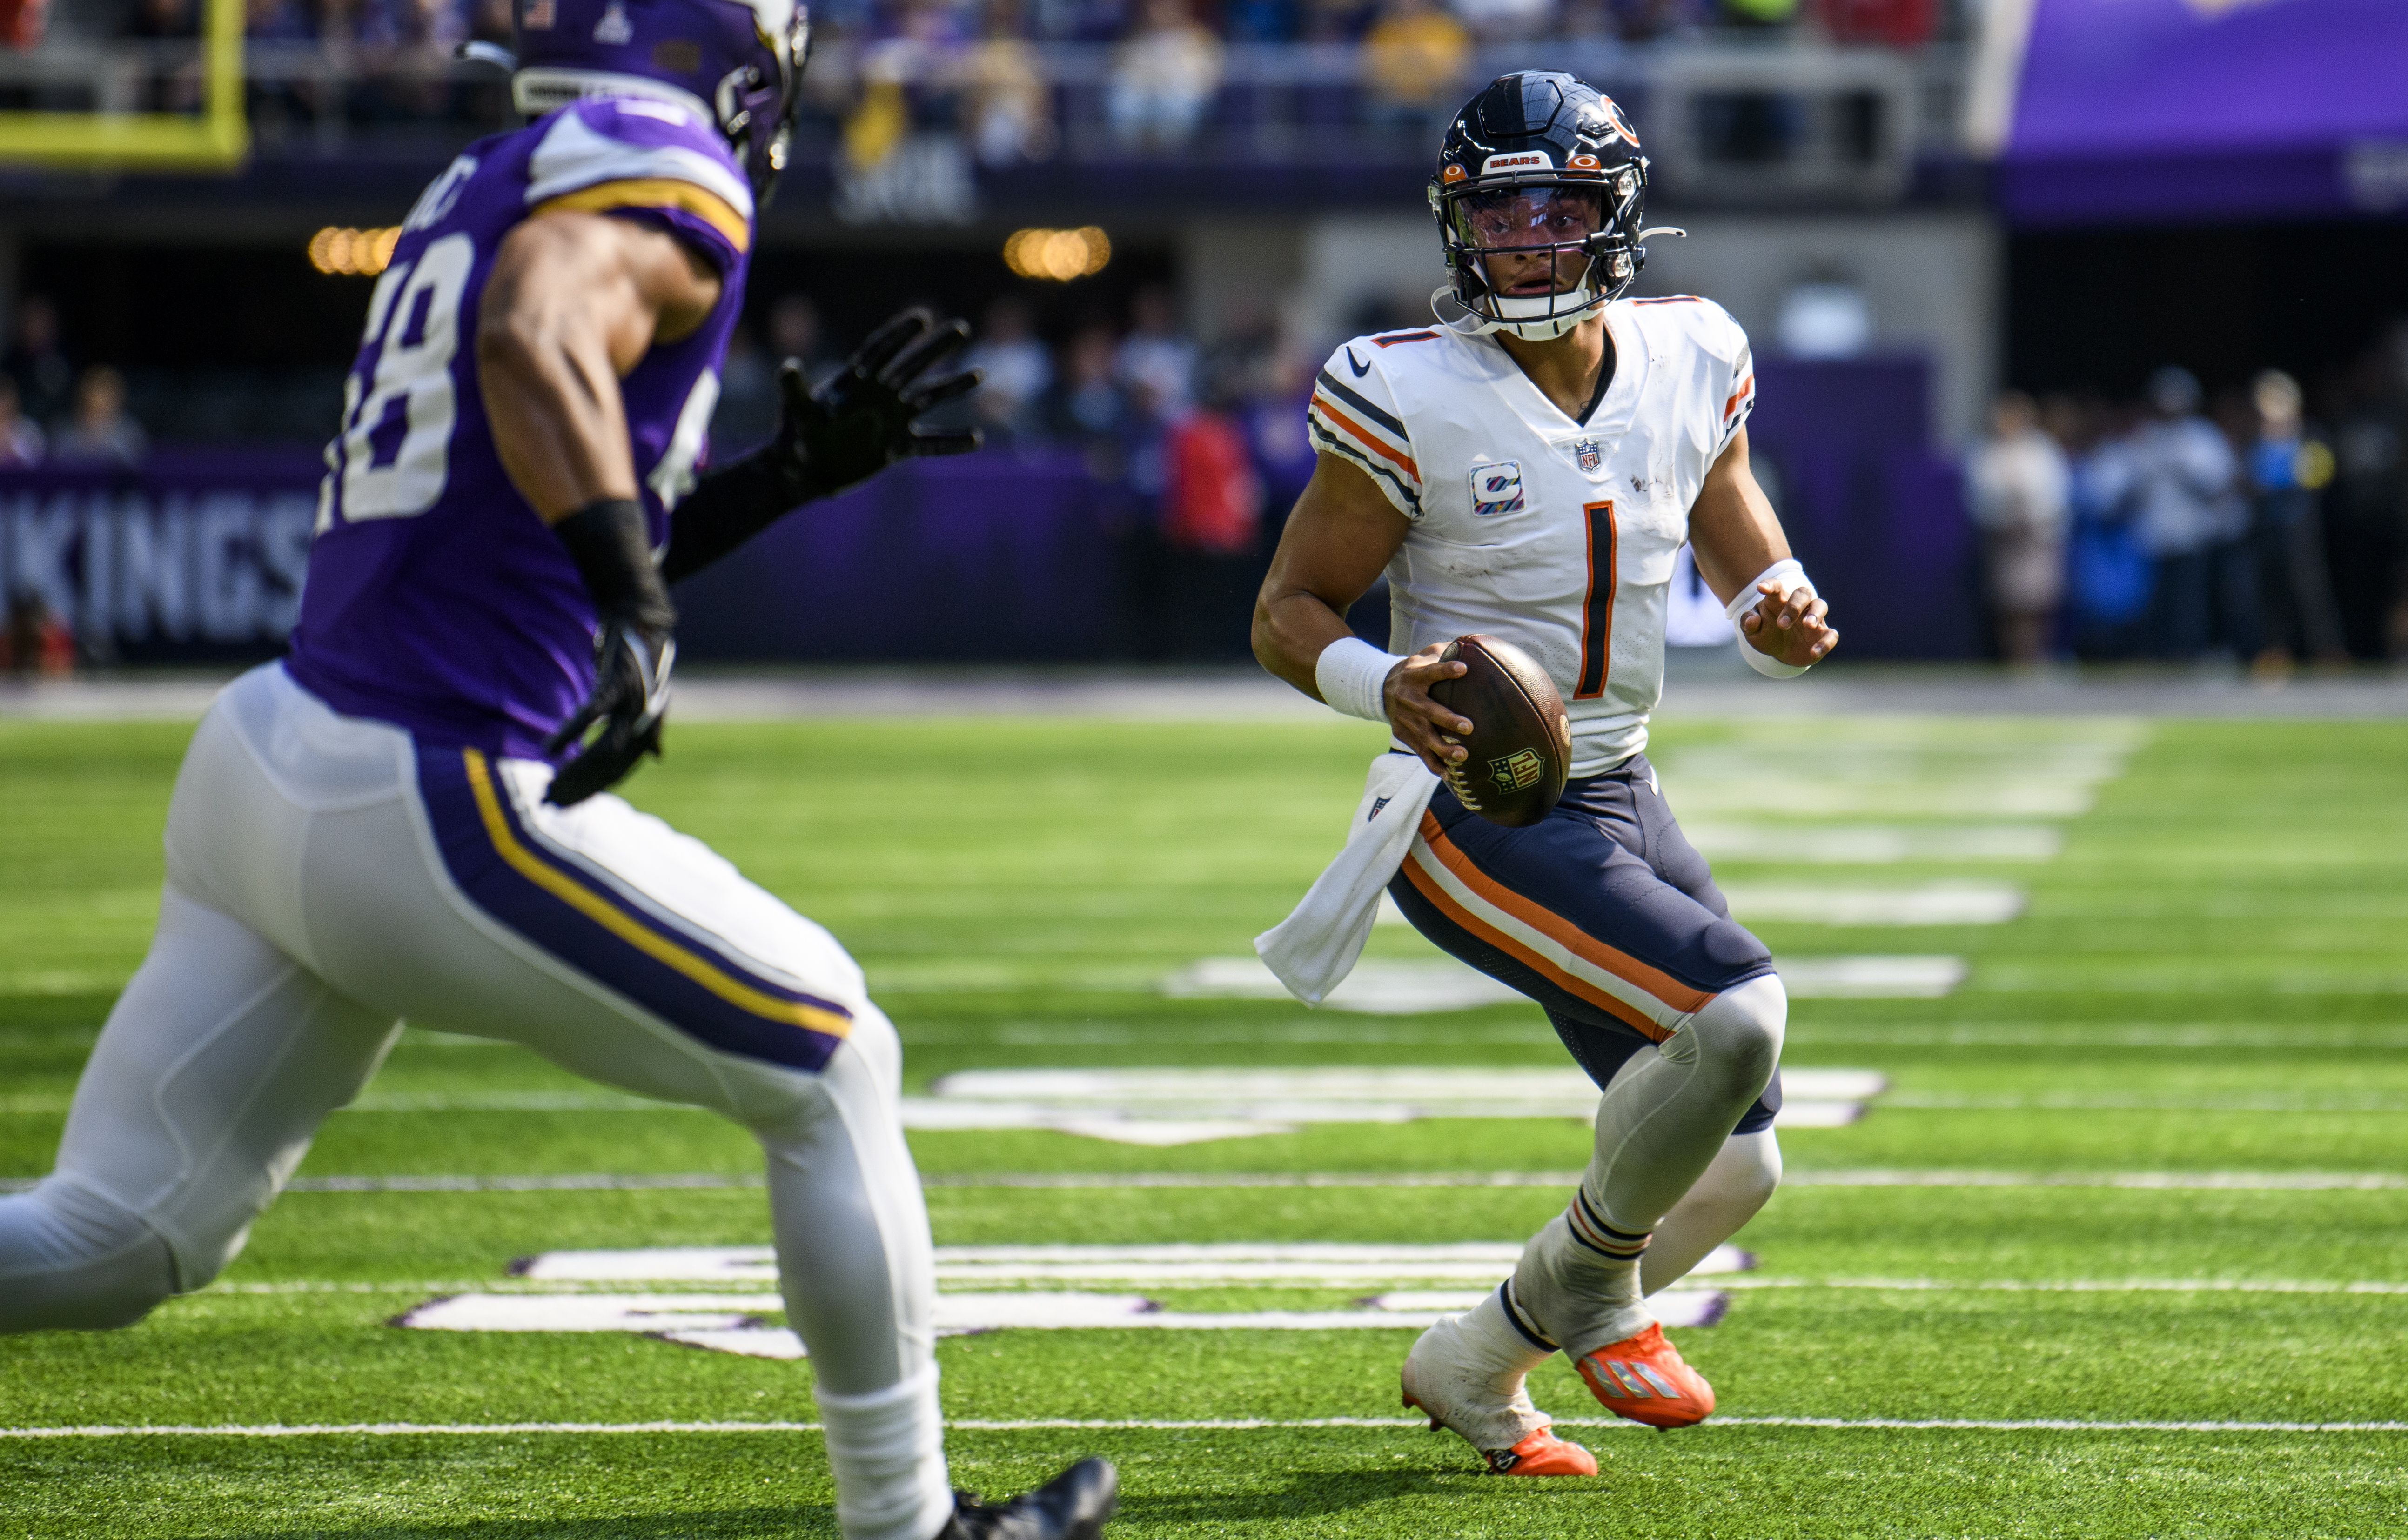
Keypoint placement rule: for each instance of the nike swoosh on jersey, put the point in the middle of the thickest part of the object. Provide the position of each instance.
(1359, 367)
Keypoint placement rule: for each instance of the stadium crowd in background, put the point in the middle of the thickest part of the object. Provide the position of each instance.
(886, 68)
(51, 411)
(2173, 527)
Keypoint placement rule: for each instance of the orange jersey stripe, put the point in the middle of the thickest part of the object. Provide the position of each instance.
(1739, 395)
(1653, 981)
(1329, 409)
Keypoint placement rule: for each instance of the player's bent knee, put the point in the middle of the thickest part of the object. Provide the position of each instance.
(71, 1259)
(1737, 1032)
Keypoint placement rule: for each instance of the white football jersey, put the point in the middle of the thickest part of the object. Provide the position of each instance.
(1556, 536)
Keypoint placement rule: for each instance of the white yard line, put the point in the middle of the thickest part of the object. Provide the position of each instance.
(2192, 1181)
(487, 1430)
(1872, 845)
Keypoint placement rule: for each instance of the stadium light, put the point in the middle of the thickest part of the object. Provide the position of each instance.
(1059, 255)
(339, 248)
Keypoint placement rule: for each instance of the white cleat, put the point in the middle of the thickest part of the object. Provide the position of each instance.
(1490, 1409)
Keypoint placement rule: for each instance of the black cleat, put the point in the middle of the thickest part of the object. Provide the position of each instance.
(1072, 1506)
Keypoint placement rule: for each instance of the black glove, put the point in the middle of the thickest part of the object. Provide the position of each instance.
(847, 430)
(633, 652)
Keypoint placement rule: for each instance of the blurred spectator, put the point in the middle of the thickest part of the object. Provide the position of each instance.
(21, 441)
(1163, 77)
(1010, 106)
(45, 375)
(1259, 21)
(1016, 367)
(2110, 573)
(2365, 507)
(36, 641)
(1274, 418)
(1506, 21)
(100, 430)
(20, 22)
(1414, 63)
(2185, 483)
(1080, 20)
(794, 332)
(1335, 20)
(747, 413)
(1899, 23)
(1212, 500)
(2020, 493)
(1086, 404)
(1156, 354)
(2288, 471)
(1211, 525)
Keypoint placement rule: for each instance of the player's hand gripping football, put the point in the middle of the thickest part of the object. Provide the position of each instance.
(633, 652)
(1790, 624)
(860, 422)
(1421, 723)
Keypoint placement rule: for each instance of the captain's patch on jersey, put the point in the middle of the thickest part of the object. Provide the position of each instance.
(1496, 488)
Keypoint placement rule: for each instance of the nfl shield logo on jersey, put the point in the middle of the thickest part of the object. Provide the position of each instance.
(1496, 488)
(1590, 453)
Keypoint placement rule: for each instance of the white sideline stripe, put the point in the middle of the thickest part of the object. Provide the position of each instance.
(2178, 1181)
(1926, 903)
(1312, 1264)
(473, 1430)
(1436, 1299)
(1387, 987)
(2084, 1286)
(1874, 845)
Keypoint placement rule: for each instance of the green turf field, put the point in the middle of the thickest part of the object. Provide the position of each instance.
(2145, 1168)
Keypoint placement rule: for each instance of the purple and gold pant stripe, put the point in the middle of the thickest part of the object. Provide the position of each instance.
(678, 973)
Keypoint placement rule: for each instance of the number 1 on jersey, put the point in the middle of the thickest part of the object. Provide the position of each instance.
(1596, 610)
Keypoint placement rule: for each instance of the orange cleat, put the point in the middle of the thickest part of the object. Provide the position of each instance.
(1643, 1379)
(1539, 1452)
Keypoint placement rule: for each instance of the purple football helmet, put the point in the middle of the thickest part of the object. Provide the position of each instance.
(739, 63)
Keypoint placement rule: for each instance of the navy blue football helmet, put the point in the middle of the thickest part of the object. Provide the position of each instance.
(1538, 162)
(739, 63)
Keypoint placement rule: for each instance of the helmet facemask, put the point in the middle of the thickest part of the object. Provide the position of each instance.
(736, 64)
(1536, 254)
(757, 109)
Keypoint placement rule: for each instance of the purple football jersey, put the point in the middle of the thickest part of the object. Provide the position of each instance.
(437, 600)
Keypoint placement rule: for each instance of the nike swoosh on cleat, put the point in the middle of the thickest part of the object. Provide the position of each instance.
(1360, 368)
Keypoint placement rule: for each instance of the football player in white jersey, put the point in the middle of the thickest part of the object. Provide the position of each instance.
(1527, 469)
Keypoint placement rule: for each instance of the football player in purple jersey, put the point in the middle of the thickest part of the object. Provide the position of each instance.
(407, 817)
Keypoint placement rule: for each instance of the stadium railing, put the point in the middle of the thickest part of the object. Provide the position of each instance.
(1749, 122)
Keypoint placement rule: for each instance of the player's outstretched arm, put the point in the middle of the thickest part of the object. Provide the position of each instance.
(846, 431)
(574, 302)
(1739, 544)
(1342, 534)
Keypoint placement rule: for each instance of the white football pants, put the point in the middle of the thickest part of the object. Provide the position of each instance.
(326, 878)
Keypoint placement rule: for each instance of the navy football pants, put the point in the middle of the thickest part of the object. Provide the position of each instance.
(1602, 912)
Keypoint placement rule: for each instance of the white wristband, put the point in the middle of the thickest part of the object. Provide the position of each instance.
(1353, 677)
(1788, 571)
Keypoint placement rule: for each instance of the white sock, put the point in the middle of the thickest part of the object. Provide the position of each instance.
(1577, 1283)
(887, 1450)
(1499, 1346)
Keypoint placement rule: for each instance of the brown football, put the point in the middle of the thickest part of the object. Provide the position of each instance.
(1521, 742)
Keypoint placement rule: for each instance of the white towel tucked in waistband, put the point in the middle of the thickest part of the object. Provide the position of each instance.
(1314, 950)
